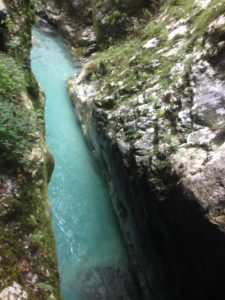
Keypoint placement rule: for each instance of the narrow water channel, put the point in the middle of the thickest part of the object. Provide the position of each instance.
(91, 255)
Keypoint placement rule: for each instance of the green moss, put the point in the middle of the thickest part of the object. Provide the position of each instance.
(172, 141)
(10, 208)
(132, 135)
(160, 112)
(26, 236)
(116, 14)
(111, 19)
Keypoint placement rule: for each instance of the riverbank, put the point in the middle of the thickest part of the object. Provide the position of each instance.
(28, 262)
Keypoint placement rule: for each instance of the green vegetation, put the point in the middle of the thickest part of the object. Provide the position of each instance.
(128, 63)
(178, 32)
(132, 135)
(27, 249)
(111, 19)
(12, 78)
(205, 17)
(18, 124)
(27, 241)
(45, 287)
(18, 30)
(17, 133)
(180, 9)
(132, 69)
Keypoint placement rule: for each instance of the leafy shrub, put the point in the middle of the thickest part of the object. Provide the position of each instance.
(17, 123)
(12, 79)
(17, 132)
(45, 286)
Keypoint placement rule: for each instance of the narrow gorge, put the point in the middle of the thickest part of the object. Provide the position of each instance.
(137, 194)
(91, 254)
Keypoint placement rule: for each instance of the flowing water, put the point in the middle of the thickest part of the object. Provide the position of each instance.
(91, 256)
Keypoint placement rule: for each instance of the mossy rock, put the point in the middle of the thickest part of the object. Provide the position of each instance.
(10, 208)
(50, 163)
(111, 18)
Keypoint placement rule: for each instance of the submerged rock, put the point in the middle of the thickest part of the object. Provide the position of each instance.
(100, 283)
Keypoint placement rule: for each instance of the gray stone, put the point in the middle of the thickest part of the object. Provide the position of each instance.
(203, 176)
(2, 6)
(87, 37)
(209, 99)
(152, 43)
(202, 137)
(14, 292)
(179, 32)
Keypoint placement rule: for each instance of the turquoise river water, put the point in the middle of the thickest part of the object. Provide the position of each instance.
(91, 255)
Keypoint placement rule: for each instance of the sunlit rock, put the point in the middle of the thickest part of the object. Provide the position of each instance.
(151, 43)
(14, 292)
(178, 32)
(202, 3)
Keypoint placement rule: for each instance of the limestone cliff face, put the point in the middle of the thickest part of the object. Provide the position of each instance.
(90, 23)
(153, 108)
(73, 20)
(77, 8)
(28, 268)
(111, 19)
